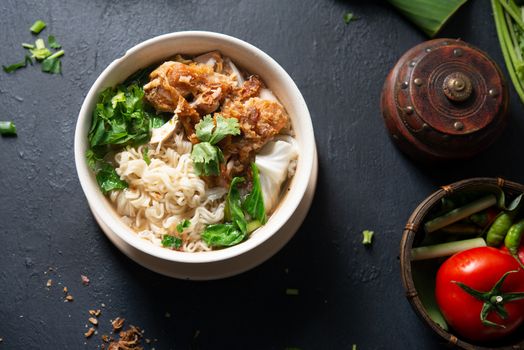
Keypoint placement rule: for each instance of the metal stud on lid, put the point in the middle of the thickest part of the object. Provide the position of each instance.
(444, 99)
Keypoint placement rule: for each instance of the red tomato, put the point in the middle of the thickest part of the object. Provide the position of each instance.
(480, 269)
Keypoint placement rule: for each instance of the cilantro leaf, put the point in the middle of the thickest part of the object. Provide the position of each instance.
(222, 235)
(11, 68)
(206, 159)
(224, 127)
(204, 129)
(171, 242)
(183, 225)
(53, 43)
(109, 180)
(254, 203)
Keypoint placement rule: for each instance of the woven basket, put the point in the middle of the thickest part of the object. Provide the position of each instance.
(412, 232)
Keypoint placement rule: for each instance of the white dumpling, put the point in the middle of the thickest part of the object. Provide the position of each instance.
(273, 163)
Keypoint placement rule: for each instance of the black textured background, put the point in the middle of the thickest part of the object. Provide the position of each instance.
(347, 294)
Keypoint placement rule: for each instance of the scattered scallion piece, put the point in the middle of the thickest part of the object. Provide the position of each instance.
(51, 40)
(348, 17)
(367, 237)
(183, 225)
(52, 64)
(16, 66)
(171, 242)
(460, 213)
(291, 291)
(445, 249)
(28, 46)
(40, 52)
(38, 26)
(7, 128)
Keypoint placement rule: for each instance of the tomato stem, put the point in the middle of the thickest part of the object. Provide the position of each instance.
(493, 300)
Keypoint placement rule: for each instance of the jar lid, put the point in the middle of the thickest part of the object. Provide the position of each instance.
(444, 99)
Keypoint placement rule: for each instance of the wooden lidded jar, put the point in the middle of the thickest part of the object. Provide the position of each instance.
(444, 99)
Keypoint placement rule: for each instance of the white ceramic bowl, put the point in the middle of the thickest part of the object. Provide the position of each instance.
(281, 225)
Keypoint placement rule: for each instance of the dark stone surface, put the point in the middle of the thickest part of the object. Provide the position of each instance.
(348, 294)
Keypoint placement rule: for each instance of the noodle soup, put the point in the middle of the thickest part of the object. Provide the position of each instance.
(193, 153)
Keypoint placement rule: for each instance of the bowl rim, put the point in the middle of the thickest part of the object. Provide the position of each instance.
(408, 235)
(275, 223)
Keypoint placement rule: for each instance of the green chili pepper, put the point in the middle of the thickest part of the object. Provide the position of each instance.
(513, 239)
(498, 230)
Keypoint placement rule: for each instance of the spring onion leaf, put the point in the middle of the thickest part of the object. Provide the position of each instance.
(28, 46)
(37, 27)
(7, 128)
(348, 17)
(171, 242)
(40, 52)
(183, 225)
(368, 237)
(254, 203)
(16, 66)
(445, 249)
(222, 235)
(52, 64)
(108, 179)
(51, 40)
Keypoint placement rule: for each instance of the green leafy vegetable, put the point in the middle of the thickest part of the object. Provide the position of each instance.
(348, 17)
(120, 118)
(156, 122)
(16, 66)
(38, 26)
(254, 203)
(145, 156)
(52, 64)
(222, 235)
(206, 159)
(367, 237)
(183, 225)
(7, 128)
(428, 15)
(233, 210)
(108, 179)
(205, 155)
(51, 40)
(171, 242)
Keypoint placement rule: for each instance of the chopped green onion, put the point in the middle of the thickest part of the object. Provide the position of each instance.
(37, 27)
(28, 46)
(15, 66)
(7, 128)
(52, 64)
(460, 213)
(445, 249)
(40, 43)
(51, 40)
(292, 291)
(368, 237)
(348, 17)
(40, 52)
(145, 156)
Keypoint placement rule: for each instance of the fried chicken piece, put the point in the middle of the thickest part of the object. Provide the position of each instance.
(195, 82)
(250, 88)
(259, 120)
